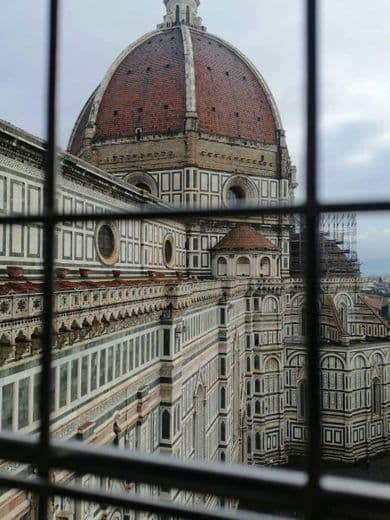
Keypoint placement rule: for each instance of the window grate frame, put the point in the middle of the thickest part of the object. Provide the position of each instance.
(312, 490)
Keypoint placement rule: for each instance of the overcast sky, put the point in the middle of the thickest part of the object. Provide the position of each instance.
(355, 80)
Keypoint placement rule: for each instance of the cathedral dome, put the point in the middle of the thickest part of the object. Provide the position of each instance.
(175, 79)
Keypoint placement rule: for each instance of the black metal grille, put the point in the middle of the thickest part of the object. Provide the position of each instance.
(310, 491)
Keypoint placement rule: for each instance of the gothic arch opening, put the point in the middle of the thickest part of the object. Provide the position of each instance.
(376, 396)
(200, 423)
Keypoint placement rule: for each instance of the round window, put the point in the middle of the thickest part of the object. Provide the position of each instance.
(235, 195)
(107, 243)
(168, 252)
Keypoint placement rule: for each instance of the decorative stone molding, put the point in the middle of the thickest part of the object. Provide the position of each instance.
(248, 188)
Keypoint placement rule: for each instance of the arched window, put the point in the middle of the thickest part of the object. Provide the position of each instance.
(270, 304)
(248, 388)
(188, 17)
(302, 400)
(265, 267)
(177, 14)
(222, 267)
(249, 444)
(343, 312)
(302, 321)
(248, 410)
(223, 366)
(257, 441)
(257, 407)
(223, 397)
(222, 456)
(376, 397)
(144, 187)
(248, 364)
(166, 425)
(257, 363)
(223, 431)
(243, 267)
(257, 386)
(235, 196)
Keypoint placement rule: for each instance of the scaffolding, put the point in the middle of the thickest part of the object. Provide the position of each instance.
(337, 245)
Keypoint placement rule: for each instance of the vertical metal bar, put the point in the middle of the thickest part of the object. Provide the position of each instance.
(48, 253)
(313, 267)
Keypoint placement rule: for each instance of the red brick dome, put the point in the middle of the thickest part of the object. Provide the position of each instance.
(174, 75)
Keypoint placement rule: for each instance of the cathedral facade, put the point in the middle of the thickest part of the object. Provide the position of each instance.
(180, 336)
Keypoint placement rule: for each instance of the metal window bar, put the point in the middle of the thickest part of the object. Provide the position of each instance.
(318, 495)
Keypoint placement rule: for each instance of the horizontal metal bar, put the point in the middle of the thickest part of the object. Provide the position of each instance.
(259, 486)
(246, 211)
(348, 492)
(127, 501)
(249, 484)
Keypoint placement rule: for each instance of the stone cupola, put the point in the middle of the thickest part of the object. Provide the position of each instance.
(245, 252)
(182, 12)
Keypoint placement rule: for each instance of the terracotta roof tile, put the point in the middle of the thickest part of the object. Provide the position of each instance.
(148, 90)
(245, 237)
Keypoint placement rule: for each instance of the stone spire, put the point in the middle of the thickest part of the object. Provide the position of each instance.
(182, 12)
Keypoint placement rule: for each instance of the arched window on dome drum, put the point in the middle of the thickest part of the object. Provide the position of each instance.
(235, 196)
(376, 397)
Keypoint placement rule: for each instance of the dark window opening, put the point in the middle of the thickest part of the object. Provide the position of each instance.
(166, 425)
(235, 195)
(168, 252)
(106, 241)
(167, 342)
(144, 187)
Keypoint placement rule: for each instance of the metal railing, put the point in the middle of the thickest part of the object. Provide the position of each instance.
(313, 493)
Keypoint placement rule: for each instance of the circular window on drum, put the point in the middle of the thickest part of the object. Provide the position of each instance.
(169, 251)
(107, 240)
